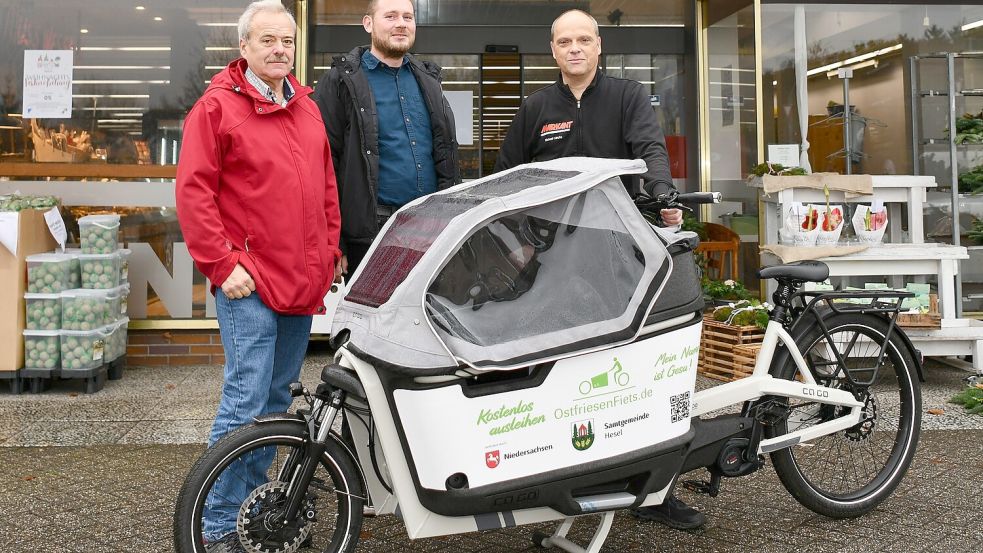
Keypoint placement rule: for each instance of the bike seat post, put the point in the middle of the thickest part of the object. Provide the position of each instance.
(782, 298)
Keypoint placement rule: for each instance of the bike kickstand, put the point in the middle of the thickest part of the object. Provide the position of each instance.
(559, 538)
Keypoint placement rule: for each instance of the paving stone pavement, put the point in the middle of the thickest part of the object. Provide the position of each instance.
(100, 473)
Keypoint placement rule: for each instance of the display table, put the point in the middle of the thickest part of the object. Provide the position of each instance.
(898, 192)
(901, 194)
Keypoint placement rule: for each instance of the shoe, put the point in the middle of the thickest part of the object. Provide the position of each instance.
(228, 543)
(673, 513)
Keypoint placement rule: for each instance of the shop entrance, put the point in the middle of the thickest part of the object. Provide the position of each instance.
(501, 65)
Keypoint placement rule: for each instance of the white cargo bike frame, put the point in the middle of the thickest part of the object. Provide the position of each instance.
(421, 522)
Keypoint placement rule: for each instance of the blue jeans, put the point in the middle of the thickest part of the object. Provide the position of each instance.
(263, 355)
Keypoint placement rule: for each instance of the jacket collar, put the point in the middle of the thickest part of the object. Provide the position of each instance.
(566, 89)
(233, 78)
(352, 63)
(371, 62)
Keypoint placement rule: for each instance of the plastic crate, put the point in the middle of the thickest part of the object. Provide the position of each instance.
(100, 271)
(75, 272)
(124, 265)
(81, 350)
(86, 310)
(48, 273)
(42, 311)
(118, 300)
(42, 349)
(99, 233)
(116, 343)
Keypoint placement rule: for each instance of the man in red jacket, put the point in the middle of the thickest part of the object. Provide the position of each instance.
(258, 206)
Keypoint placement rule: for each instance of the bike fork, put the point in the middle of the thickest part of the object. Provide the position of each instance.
(315, 450)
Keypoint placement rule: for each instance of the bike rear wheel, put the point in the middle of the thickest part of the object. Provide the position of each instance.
(847, 474)
(254, 465)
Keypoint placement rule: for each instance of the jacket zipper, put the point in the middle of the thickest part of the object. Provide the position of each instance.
(580, 131)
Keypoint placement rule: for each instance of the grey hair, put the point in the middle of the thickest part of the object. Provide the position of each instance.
(272, 6)
(597, 30)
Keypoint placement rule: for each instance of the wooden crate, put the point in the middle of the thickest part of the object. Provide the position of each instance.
(727, 352)
(932, 319)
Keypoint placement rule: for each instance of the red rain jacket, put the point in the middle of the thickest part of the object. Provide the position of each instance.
(256, 186)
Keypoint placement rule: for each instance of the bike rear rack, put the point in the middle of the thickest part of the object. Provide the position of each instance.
(886, 303)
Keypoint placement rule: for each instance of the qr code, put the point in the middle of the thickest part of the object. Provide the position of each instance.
(679, 407)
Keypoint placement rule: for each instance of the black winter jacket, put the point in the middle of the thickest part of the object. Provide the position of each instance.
(613, 119)
(348, 109)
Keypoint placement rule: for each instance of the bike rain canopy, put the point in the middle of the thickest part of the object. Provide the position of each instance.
(528, 265)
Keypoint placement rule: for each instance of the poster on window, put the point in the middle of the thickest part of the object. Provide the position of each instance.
(48, 84)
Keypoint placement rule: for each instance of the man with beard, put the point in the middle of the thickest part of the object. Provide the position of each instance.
(391, 129)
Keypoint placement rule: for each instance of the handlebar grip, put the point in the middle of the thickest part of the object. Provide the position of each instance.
(699, 198)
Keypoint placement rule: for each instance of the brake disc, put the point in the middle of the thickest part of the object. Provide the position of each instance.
(868, 420)
(260, 522)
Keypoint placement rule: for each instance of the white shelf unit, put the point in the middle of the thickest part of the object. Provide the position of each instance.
(958, 336)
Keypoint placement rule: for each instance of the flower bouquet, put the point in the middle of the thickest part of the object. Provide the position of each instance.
(870, 222)
(800, 225)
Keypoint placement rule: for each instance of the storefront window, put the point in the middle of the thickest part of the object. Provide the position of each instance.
(137, 68)
(898, 96)
(514, 12)
(731, 122)
(876, 41)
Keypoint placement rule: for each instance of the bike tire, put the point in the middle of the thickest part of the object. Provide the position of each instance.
(875, 458)
(346, 494)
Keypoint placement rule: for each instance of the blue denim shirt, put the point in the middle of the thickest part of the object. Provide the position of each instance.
(406, 168)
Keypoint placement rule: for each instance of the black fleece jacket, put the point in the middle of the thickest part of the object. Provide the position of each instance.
(613, 119)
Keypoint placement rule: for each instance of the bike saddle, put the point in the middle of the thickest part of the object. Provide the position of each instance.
(810, 271)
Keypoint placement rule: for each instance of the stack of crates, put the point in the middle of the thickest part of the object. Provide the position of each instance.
(76, 310)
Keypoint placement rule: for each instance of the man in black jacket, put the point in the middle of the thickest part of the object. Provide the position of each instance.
(391, 130)
(586, 113)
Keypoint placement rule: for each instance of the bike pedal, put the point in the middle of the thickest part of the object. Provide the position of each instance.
(697, 486)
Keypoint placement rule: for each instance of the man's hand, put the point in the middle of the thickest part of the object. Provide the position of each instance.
(239, 284)
(672, 217)
(340, 269)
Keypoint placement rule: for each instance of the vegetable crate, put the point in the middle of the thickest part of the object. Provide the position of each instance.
(727, 352)
(932, 319)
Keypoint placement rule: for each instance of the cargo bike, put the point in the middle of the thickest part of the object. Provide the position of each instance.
(523, 348)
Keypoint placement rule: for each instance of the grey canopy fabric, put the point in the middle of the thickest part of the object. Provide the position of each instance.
(540, 262)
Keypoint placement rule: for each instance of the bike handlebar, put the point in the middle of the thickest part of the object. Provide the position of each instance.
(699, 198)
(674, 199)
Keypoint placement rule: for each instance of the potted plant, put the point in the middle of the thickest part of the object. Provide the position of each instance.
(725, 292)
(743, 313)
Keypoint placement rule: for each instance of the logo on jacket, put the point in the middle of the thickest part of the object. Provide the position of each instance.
(492, 458)
(554, 131)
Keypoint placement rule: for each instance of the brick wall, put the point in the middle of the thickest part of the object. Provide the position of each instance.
(174, 347)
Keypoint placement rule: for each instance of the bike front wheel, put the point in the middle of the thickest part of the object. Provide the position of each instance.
(847, 474)
(238, 490)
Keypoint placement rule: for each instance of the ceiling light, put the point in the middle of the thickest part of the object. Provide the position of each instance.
(158, 18)
(861, 65)
(140, 8)
(972, 25)
(855, 59)
(83, 31)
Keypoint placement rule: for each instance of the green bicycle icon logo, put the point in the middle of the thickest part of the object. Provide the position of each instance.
(615, 374)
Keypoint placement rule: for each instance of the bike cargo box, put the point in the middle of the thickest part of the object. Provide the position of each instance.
(548, 271)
